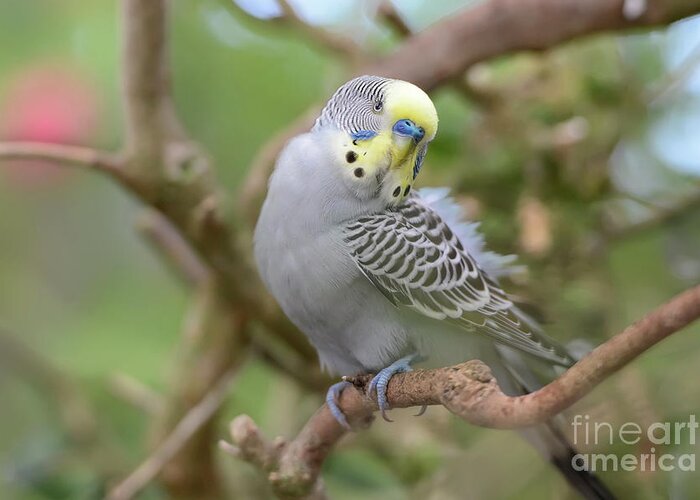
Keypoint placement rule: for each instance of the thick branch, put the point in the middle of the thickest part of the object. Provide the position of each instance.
(143, 79)
(499, 27)
(176, 180)
(149, 114)
(469, 390)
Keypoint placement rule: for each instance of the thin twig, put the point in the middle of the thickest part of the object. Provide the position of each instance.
(73, 409)
(197, 416)
(676, 78)
(176, 251)
(340, 45)
(388, 13)
(73, 156)
(290, 364)
(662, 215)
(136, 393)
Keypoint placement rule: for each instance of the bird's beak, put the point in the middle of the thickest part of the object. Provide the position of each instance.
(408, 128)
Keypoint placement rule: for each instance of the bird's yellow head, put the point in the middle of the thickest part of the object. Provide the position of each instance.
(383, 128)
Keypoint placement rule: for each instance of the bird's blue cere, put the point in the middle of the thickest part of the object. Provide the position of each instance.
(407, 128)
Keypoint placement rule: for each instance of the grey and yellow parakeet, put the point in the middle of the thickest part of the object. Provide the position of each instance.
(378, 275)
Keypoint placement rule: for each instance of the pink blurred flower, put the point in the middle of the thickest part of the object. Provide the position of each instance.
(47, 103)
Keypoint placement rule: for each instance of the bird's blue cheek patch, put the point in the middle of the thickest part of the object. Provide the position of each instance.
(362, 135)
(419, 163)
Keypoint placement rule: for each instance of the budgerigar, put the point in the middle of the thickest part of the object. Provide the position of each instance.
(378, 275)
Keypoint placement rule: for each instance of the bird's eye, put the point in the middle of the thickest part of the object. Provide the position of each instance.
(378, 105)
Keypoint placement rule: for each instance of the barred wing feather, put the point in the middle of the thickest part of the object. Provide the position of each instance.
(413, 257)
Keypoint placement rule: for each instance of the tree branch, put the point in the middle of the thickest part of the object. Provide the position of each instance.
(150, 119)
(450, 47)
(72, 156)
(340, 45)
(468, 390)
(663, 215)
(176, 251)
(159, 170)
(175, 178)
(388, 13)
(214, 342)
(499, 27)
(195, 418)
(136, 393)
(71, 406)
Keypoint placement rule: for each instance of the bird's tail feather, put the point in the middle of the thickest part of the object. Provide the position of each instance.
(586, 483)
(515, 377)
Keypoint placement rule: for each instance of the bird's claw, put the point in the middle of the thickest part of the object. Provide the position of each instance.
(421, 411)
(332, 401)
(380, 382)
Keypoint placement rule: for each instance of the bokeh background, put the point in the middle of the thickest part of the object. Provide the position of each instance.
(584, 160)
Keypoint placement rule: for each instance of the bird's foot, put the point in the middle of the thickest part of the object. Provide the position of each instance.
(332, 401)
(380, 382)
